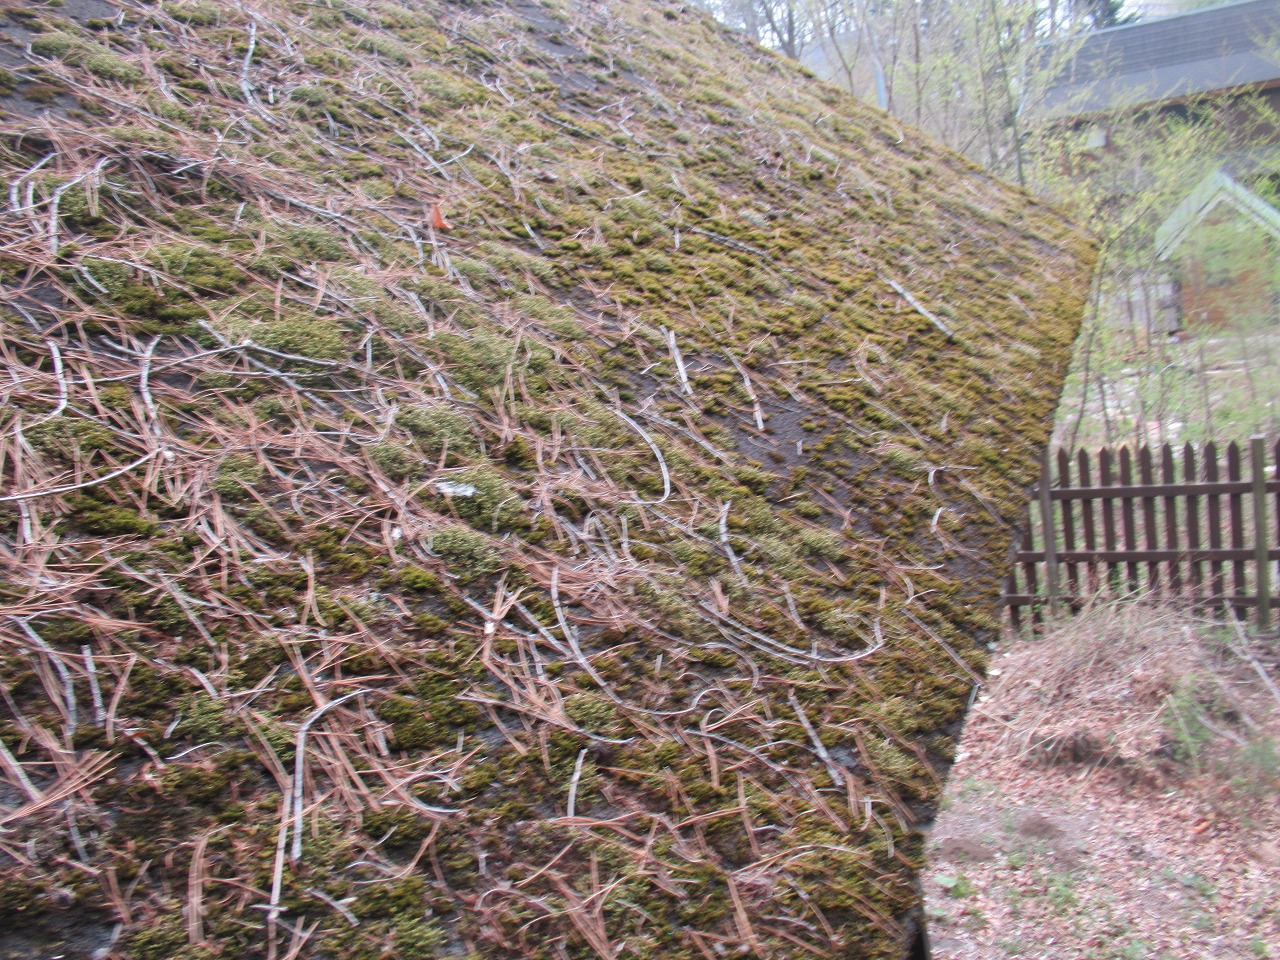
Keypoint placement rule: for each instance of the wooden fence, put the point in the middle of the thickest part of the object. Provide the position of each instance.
(1196, 524)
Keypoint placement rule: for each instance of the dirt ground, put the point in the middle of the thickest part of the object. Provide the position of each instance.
(1117, 796)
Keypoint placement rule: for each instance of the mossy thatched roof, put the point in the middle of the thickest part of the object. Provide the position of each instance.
(489, 479)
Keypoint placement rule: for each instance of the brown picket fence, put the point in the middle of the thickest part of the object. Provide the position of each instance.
(1201, 524)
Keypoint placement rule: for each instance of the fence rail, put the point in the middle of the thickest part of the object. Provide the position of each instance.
(1187, 524)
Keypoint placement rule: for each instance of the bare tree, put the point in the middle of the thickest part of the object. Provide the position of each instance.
(969, 72)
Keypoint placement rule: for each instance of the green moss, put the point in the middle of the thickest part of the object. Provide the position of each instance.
(42, 93)
(441, 89)
(396, 828)
(237, 475)
(103, 518)
(484, 498)
(395, 461)
(54, 44)
(386, 47)
(203, 718)
(822, 543)
(200, 267)
(193, 784)
(418, 580)
(315, 243)
(593, 713)
(488, 357)
(494, 357)
(468, 553)
(156, 311)
(71, 437)
(108, 66)
(163, 939)
(418, 939)
(197, 14)
(304, 337)
(312, 96)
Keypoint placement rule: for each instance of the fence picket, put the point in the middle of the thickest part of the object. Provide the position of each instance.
(1193, 566)
(1214, 518)
(1148, 506)
(1274, 474)
(1086, 520)
(1108, 519)
(1049, 533)
(1258, 503)
(1214, 509)
(1193, 522)
(1169, 477)
(1235, 503)
(1126, 514)
(1068, 525)
(1031, 579)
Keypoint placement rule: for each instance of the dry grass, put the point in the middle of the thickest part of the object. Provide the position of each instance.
(1115, 797)
(1095, 687)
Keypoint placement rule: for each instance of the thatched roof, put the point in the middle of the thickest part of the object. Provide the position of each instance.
(489, 479)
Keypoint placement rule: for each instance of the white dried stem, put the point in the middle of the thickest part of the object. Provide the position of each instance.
(751, 393)
(918, 307)
(728, 547)
(662, 463)
(573, 783)
(676, 356)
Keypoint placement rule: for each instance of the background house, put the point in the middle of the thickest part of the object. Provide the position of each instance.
(1222, 243)
(1210, 257)
(1224, 49)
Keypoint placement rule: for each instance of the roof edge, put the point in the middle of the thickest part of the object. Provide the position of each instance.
(1199, 11)
(1215, 189)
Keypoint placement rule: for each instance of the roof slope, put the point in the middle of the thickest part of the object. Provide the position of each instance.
(1198, 52)
(490, 479)
(1218, 189)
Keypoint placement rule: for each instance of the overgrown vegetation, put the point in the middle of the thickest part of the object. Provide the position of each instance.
(1142, 373)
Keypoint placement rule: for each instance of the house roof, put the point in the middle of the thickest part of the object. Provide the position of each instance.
(1219, 189)
(533, 478)
(1204, 51)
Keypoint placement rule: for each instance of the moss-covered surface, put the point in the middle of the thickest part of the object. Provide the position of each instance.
(488, 479)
